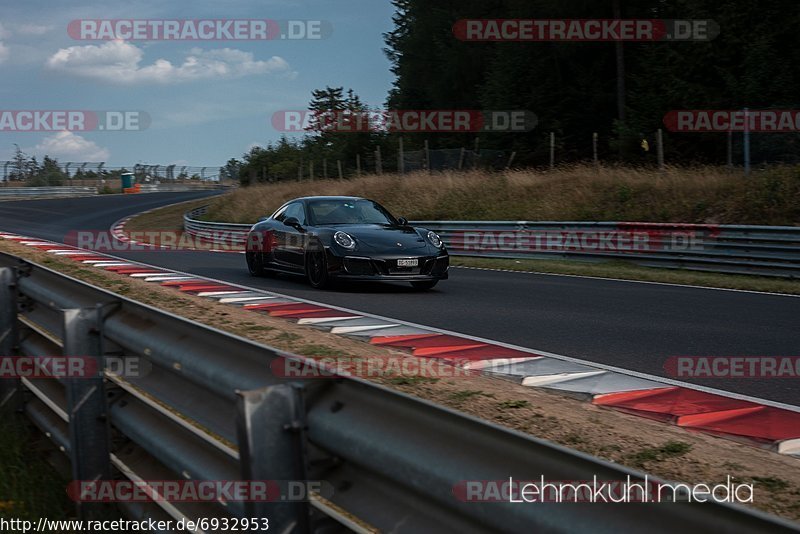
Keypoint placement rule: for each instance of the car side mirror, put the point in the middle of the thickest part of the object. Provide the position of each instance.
(293, 222)
(403, 221)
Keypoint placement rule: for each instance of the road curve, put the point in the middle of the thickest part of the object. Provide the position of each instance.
(630, 325)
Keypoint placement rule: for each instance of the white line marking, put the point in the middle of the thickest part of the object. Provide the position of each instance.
(630, 281)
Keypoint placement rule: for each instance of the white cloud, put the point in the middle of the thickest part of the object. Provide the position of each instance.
(33, 29)
(70, 146)
(4, 33)
(4, 52)
(118, 62)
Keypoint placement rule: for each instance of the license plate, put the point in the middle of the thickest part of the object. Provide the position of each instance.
(408, 263)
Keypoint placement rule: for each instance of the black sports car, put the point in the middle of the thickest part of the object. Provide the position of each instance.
(338, 238)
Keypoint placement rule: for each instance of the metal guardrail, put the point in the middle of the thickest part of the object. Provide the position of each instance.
(228, 234)
(179, 188)
(209, 408)
(32, 192)
(756, 250)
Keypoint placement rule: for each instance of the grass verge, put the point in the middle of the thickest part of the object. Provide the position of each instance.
(626, 271)
(30, 487)
(570, 193)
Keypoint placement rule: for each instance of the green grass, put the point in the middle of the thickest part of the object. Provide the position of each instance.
(286, 337)
(29, 486)
(412, 380)
(317, 350)
(671, 449)
(626, 271)
(513, 405)
(466, 394)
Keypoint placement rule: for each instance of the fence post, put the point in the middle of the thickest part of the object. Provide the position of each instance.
(401, 161)
(9, 388)
(746, 141)
(552, 150)
(358, 165)
(427, 157)
(730, 149)
(660, 149)
(339, 166)
(378, 162)
(311, 170)
(477, 152)
(595, 159)
(461, 158)
(271, 425)
(89, 442)
(511, 160)
(325, 168)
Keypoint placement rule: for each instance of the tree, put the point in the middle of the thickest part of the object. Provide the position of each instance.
(231, 170)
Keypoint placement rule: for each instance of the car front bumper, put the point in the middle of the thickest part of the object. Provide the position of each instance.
(385, 268)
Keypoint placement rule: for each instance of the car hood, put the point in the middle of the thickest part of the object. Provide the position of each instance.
(375, 237)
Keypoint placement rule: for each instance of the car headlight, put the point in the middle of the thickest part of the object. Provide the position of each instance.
(344, 240)
(435, 240)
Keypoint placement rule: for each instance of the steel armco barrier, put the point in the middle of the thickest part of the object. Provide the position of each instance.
(756, 250)
(207, 407)
(32, 192)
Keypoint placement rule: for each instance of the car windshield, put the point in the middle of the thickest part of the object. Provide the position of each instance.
(348, 211)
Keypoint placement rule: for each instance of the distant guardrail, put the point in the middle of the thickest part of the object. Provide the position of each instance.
(178, 188)
(737, 249)
(33, 192)
(205, 405)
(82, 191)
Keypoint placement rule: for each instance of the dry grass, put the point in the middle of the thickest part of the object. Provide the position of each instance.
(692, 195)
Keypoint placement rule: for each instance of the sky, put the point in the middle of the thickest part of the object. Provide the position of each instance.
(208, 101)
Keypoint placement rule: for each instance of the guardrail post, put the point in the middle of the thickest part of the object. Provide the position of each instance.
(271, 430)
(86, 400)
(9, 387)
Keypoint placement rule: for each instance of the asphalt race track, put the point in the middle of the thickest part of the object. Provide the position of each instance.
(634, 326)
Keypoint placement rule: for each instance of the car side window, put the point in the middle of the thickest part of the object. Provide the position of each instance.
(280, 215)
(297, 211)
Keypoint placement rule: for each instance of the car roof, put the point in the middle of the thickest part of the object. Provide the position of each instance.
(306, 199)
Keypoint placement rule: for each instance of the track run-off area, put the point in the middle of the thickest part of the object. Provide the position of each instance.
(628, 325)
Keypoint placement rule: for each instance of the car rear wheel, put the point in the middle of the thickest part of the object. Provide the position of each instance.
(317, 269)
(428, 284)
(255, 263)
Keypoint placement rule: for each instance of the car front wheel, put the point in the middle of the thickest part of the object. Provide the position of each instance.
(255, 264)
(317, 269)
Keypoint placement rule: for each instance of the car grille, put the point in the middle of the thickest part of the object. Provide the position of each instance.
(367, 267)
(436, 266)
(359, 266)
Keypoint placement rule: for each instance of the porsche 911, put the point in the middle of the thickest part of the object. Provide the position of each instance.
(329, 239)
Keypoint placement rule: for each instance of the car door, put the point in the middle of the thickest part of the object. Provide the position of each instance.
(289, 241)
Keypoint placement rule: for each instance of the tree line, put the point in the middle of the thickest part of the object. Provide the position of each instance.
(620, 91)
